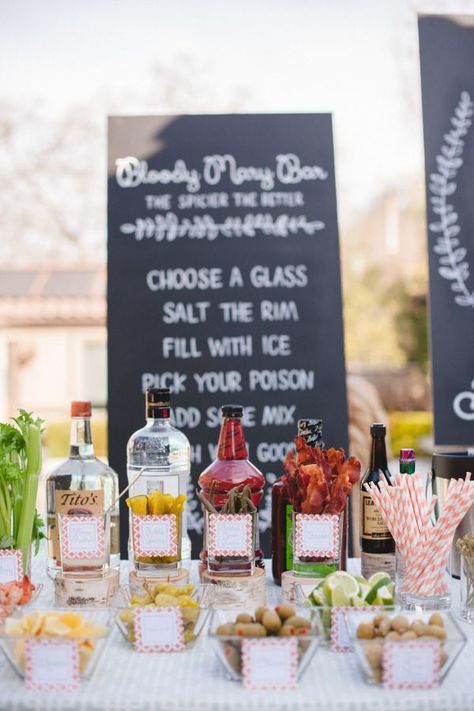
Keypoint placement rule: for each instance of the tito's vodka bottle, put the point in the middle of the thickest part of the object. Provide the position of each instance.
(377, 544)
(164, 454)
(81, 485)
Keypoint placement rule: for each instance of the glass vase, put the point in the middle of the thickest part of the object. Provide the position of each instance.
(317, 543)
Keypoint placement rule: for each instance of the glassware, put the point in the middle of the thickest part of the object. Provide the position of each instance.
(228, 648)
(451, 646)
(91, 645)
(226, 533)
(467, 588)
(149, 534)
(282, 510)
(82, 485)
(84, 544)
(231, 468)
(377, 544)
(414, 601)
(317, 543)
(165, 455)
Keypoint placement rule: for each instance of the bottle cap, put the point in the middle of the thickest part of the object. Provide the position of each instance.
(232, 410)
(378, 429)
(312, 430)
(407, 454)
(158, 397)
(81, 408)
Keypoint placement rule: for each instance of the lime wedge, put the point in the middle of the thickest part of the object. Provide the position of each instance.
(318, 597)
(385, 596)
(361, 580)
(364, 589)
(376, 577)
(357, 601)
(341, 579)
(373, 592)
(339, 597)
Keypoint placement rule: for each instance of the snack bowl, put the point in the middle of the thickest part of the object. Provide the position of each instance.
(191, 599)
(89, 628)
(228, 647)
(424, 625)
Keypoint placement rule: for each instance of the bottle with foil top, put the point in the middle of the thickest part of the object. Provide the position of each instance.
(231, 468)
(82, 485)
(282, 510)
(377, 544)
(164, 455)
(407, 461)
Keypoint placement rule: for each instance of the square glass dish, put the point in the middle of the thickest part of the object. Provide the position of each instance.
(89, 628)
(369, 632)
(191, 599)
(227, 638)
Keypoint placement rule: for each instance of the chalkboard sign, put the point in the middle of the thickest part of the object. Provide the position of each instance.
(224, 282)
(447, 80)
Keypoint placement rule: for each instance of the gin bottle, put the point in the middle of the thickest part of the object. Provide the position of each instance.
(162, 453)
(81, 485)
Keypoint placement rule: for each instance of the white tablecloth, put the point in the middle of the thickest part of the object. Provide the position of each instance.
(193, 680)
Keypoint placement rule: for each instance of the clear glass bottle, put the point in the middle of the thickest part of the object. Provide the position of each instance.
(83, 484)
(164, 453)
(377, 544)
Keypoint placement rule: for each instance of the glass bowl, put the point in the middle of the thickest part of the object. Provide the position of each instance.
(7, 608)
(194, 618)
(228, 648)
(370, 661)
(91, 634)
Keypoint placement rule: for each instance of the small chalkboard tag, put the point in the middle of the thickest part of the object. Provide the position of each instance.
(270, 664)
(411, 665)
(340, 640)
(158, 629)
(51, 665)
(316, 536)
(230, 535)
(11, 566)
(155, 535)
(82, 537)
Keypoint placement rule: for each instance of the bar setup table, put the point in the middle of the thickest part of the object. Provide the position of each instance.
(193, 680)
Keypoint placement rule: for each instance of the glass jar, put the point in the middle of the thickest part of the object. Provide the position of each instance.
(414, 593)
(231, 540)
(467, 588)
(317, 543)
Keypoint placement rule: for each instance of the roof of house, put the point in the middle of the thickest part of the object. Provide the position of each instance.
(53, 295)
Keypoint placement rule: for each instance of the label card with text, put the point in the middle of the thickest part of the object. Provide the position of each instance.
(155, 535)
(316, 536)
(82, 537)
(158, 629)
(51, 665)
(411, 665)
(230, 535)
(11, 566)
(270, 664)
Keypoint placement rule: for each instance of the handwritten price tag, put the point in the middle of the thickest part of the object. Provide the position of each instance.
(155, 535)
(158, 629)
(411, 665)
(316, 536)
(270, 664)
(11, 566)
(230, 535)
(51, 665)
(82, 537)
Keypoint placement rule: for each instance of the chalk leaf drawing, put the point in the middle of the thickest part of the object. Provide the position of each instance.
(452, 255)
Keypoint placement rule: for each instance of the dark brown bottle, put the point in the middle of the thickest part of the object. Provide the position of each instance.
(377, 544)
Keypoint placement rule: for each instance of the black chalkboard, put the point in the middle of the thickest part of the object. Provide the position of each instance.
(447, 80)
(223, 271)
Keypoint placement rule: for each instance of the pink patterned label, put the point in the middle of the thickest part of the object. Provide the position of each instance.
(340, 640)
(82, 537)
(316, 536)
(51, 665)
(158, 629)
(411, 664)
(155, 535)
(230, 535)
(270, 664)
(11, 566)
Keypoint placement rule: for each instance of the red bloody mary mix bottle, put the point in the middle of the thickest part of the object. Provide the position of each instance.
(231, 468)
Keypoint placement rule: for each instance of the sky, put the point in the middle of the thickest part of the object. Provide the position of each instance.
(355, 58)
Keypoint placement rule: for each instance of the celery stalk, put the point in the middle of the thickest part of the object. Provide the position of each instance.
(32, 435)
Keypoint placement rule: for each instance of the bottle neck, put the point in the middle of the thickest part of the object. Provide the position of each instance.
(378, 457)
(81, 438)
(231, 443)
